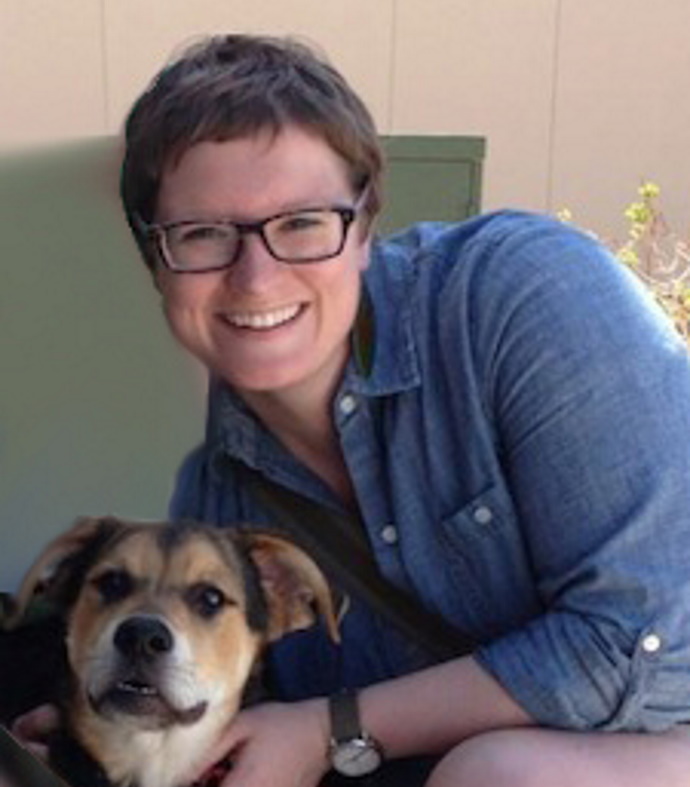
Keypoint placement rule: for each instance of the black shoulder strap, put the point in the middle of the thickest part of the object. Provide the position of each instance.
(338, 542)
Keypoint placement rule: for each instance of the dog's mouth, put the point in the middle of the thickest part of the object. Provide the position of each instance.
(143, 700)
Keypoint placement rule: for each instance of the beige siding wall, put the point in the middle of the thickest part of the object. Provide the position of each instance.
(579, 99)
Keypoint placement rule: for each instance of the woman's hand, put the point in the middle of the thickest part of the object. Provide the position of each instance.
(277, 745)
(32, 729)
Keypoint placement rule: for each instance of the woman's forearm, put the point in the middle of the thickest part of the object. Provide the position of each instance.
(433, 710)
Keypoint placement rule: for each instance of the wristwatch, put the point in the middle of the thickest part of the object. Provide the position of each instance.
(353, 751)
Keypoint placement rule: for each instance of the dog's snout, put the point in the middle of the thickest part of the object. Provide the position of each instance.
(143, 637)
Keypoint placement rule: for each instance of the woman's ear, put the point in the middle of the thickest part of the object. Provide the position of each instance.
(155, 275)
(365, 250)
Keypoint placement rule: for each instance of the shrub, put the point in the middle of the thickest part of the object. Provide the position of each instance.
(656, 254)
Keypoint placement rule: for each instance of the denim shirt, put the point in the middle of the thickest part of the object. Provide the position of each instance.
(520, 452)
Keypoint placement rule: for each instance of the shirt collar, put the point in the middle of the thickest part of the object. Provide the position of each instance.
(384, 353)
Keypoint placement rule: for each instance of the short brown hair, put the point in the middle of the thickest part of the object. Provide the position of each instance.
(233, 86)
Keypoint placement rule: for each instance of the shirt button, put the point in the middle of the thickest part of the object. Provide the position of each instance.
(348, 404)
(389, 535)
(651, 643)
(483, 515)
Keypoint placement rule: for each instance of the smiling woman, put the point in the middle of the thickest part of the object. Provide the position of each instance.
(264, 323)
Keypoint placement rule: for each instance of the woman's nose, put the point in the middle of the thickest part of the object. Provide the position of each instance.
(255, 267)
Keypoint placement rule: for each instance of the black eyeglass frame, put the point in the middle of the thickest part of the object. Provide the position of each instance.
(156, 232)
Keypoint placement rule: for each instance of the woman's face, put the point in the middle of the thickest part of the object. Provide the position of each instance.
(261, 324)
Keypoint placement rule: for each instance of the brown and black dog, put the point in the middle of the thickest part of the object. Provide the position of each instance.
(164, 626)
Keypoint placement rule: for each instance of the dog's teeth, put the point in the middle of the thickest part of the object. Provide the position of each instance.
(136, 688)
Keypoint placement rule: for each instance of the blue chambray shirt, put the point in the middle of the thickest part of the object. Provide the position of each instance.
(520, 451)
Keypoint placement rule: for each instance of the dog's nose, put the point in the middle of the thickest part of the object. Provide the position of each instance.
(145, 637)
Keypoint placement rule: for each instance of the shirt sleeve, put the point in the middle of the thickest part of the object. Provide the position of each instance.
(589, 389)
(189, 492)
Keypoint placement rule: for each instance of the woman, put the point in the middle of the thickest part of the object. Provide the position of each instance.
(497, 401)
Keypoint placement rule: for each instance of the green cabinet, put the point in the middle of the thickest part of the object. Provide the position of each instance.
(98, 406)
(431, 178)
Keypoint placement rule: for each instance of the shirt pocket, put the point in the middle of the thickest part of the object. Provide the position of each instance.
(490, 587)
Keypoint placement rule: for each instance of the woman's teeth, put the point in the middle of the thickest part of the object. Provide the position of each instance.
(260, 321)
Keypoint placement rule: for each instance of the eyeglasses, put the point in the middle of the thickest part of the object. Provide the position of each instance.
(295, 237)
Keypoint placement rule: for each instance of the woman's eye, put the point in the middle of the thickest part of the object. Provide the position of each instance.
(201, 233)
(300, 222)
(113, 585)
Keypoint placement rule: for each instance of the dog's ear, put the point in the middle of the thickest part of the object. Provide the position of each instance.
(296, 590)
(57, 566)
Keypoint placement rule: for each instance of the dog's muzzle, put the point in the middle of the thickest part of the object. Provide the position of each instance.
(143, 648)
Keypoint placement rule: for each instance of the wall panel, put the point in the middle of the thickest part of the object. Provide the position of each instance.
(623, 108)
(463, 67)
(51, 75)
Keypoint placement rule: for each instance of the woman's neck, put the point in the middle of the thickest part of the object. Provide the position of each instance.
(301, 418)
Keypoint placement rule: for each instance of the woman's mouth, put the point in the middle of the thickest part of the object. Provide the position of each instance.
(263, 320)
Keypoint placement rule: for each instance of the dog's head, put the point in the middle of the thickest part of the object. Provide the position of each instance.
(164, 625)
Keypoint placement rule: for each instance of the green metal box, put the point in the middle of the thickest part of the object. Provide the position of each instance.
(431, 178)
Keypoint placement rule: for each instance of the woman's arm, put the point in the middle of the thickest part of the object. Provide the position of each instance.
(430, 711)
(427, 712)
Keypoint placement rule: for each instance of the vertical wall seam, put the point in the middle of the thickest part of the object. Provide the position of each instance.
(392, 66)
(105, 72)
(553, 111)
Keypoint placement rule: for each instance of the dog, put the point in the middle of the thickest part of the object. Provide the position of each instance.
(164, 628)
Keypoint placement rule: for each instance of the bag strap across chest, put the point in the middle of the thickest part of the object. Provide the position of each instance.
(339, 543)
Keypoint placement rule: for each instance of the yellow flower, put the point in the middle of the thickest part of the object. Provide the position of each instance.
(638, 213)
(649, 190)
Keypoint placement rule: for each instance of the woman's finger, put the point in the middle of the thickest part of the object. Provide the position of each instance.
(32, 728)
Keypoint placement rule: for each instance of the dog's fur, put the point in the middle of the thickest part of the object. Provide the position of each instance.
(164, 627)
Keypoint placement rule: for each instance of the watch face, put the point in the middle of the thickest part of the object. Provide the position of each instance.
(356, 757)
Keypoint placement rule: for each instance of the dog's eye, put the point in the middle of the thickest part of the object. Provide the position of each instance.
(207, 600)
(113, 585)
